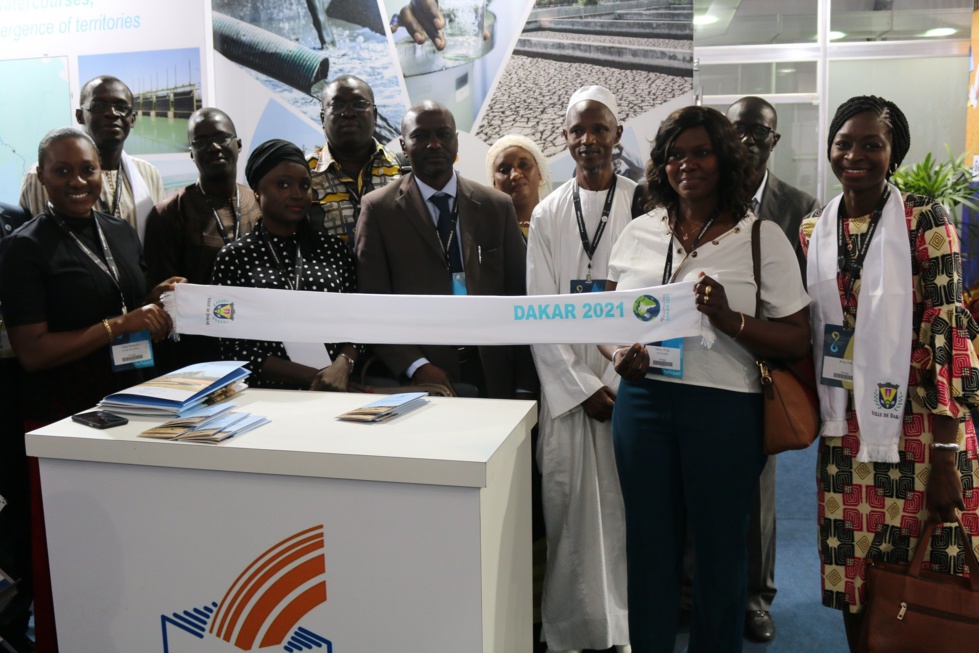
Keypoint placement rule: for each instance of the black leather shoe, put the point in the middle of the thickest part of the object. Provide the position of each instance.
(758, 626)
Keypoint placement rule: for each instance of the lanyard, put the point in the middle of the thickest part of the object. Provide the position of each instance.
(855, 269)
(354, 198)
(111, 210)
(668, 267)
(235, 208)
(295, 283)
(452, 228)
(590, 247)
(452, 231)
(361, 186)
(109, 267)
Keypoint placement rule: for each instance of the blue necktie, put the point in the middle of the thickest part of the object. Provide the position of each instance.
(441, 202)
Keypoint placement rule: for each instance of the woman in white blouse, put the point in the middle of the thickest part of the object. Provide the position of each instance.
(687, 423)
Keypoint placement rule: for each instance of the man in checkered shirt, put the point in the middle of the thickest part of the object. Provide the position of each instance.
(352, 163)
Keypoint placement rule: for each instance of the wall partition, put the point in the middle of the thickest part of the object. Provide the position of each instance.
(807, 56)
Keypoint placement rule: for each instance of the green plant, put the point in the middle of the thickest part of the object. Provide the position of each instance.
(949, 182)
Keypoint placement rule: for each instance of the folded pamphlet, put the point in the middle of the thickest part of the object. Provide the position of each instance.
(386, 408)
(182, 391)
(211, 429)
(195, 419)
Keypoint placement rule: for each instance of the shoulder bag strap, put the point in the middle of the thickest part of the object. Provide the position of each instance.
(756, 263)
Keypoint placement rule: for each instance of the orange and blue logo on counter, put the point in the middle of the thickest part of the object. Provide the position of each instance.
(266, 603)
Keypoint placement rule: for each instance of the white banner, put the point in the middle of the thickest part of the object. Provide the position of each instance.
(624, 316)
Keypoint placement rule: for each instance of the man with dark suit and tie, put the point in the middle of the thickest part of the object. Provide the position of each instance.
(755, 120)
(433, 232)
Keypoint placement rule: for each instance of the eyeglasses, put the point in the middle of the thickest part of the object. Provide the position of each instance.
(204, 142)
(123, 109)
(337, 108)
(757, 132)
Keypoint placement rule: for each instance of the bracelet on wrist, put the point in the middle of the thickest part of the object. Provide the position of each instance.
(108, 329)
(741, 329)
(945, 446)
(616, 353)
(349, 360)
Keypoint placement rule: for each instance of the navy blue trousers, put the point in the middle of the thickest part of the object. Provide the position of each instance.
(692, 455)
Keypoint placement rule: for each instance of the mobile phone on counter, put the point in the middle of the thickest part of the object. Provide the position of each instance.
(99, 419)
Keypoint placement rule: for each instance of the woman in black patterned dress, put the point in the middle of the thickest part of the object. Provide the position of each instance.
(284, 252)
(878, 487)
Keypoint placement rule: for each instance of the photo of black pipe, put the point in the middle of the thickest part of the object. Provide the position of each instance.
(289, 62)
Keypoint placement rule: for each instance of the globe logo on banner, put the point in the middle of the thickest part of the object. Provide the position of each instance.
(646, 307)
(263, 607)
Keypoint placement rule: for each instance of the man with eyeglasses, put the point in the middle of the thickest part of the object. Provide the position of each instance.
(351, 163)
(185, 233)
(755, 121)
(130, 186)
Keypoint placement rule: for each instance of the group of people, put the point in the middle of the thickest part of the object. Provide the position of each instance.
(657, 497)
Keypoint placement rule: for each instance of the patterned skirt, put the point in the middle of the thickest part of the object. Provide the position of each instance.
(877, 511)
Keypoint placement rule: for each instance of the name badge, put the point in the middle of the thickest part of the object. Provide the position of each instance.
(459, 283)
(131, 351)
(666, 357)
(837, 357)
(584, 285)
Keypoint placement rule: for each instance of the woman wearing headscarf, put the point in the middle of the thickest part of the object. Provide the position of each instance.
(898, 445)
(284, 252)
(516, 166)
(687, 423)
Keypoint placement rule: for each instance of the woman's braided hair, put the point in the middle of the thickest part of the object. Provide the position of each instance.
(887, 112)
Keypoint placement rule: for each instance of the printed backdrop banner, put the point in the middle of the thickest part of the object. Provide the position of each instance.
(625, 316)
(50, 48)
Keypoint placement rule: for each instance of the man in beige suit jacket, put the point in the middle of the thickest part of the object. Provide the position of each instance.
(479, 251)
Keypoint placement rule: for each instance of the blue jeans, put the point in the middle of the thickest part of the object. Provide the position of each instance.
(687, 453)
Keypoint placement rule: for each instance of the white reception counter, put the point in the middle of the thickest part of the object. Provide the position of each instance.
(305, 534)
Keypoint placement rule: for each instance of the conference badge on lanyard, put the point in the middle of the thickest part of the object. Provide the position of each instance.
(666, 357)
(131, 351)
(587, 285)
(459, 283)
(837, 368)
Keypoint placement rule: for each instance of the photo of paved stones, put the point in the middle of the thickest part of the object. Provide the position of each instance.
(641, 50)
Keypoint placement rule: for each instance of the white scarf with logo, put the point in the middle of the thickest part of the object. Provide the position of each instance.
(624, 316)
(883, 335)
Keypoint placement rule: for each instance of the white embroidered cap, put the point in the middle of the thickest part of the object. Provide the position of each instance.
(598, 94)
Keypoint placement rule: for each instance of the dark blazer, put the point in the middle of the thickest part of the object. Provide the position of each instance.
(398, 252)
(787, 205)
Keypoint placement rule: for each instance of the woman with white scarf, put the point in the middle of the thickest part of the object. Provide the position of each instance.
(897, 444)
